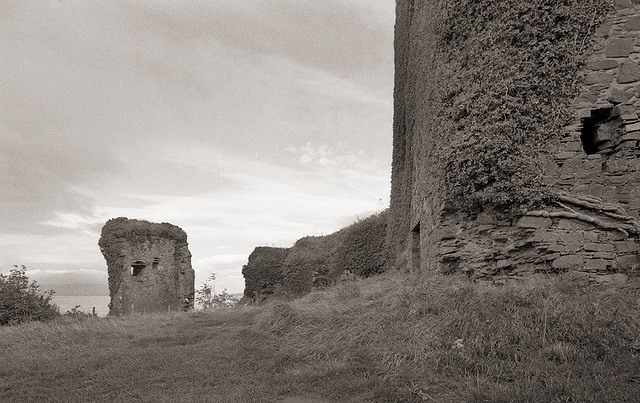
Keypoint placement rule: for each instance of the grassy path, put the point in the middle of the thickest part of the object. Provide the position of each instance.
(388, 339)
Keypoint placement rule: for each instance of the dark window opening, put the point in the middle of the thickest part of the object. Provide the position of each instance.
(600, 130)
(156, 260)
(415, 248)
(137, 266)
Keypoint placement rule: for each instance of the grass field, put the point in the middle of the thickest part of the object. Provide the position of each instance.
(393, 338)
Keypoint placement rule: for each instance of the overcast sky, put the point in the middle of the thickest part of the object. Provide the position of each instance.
(244, 122)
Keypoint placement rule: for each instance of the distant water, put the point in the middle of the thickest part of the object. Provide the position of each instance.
(67, 303)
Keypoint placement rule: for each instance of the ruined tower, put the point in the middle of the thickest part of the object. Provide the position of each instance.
(149, 266)
(516, 137)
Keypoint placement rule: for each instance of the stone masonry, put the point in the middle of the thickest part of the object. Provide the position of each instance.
(595, 167)
(149, 267)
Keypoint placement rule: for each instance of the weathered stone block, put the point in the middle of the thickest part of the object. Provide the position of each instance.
(626, 246)
(534, 222)
(629, 117)
(626, 109)
(448, 250)
(633, 136)
(551, 256)
(597, 264)
(633, 24)
(628, 72)
(619, 96)
(604, 65)
(485, 227)
(632, 128)
(503, 264)
(573, 237)
(590, 236)
(598, 78)
(444, 233)
(604, 255)
(598, 247)
(555, 248)
(567, 262)
(619, 48)
(568, 224)
(565, 155)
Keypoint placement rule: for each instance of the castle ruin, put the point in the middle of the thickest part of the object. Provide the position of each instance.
(515, 103)
(149, 266)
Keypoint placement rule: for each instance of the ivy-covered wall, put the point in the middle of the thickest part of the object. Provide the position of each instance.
(317, 261)
(485, 105)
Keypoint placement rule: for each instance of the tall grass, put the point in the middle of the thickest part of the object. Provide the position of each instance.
(385, 339)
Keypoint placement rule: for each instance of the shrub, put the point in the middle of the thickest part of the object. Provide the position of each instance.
(21, 301)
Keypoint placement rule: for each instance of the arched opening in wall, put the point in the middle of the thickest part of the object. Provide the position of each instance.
(415, 248)
(600, 130)
(137, 266)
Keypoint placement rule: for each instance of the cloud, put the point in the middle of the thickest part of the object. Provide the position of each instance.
(244, 122)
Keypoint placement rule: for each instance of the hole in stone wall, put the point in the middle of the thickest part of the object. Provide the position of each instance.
(137, 266)
(600, 130)
(415, 247)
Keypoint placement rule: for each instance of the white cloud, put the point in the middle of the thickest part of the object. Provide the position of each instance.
(199, 113)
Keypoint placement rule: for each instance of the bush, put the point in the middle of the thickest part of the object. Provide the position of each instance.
(21, 301)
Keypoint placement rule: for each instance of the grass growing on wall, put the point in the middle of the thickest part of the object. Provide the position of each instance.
(263, 273)
(389, 338)
(359, 247)
(508, 69)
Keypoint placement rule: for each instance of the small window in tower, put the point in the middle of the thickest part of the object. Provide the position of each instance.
(601, 130)
(137, 266)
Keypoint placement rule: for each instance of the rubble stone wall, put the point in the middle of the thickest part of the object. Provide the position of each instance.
(589, 225)
(149, 267)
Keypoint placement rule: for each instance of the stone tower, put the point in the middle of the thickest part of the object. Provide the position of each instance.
(520, 105)
(149, 266)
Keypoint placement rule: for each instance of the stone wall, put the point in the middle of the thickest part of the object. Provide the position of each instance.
(149, 266)
(314, 262)
(591, 169)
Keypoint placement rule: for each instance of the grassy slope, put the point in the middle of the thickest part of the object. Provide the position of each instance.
(385, 339)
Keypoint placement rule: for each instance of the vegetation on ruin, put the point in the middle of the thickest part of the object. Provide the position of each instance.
(118, 230)
(318, 261)
(390, 338)
(507, 72)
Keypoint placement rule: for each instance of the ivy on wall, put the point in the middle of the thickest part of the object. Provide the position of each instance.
(507, 72)
(317, 261)
(263, 272)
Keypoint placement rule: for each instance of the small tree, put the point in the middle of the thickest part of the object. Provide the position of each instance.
(205, 295)
(22, 301)
(208, 299)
